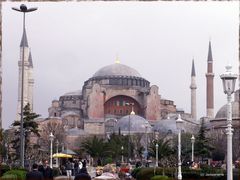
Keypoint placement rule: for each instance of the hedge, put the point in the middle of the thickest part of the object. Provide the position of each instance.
(158, 177)
(4, 168)
(210, 173)
(18, 174)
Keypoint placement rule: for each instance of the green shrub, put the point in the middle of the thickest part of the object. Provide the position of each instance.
(9, 177)
(56, 172)
(20, 174)
(206, 173)
(145, 174)
(4, 168)
(108, 160)
(158, 177)
(135, 172)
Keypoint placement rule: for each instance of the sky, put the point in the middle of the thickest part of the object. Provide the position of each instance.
(70, 41)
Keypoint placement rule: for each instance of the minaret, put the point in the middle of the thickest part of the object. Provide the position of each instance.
(210, 76)
(193, 88)
(30, 81)
(1, 24)
(28, 77)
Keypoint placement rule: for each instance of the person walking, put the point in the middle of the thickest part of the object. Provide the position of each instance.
(41, 169)
(76, 167)
(34, 174)
(69, 169)
(48, 175)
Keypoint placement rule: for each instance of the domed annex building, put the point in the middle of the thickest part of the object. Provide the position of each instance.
(217, 127)
(104, 104)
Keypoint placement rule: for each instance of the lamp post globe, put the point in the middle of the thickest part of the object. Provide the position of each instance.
(23, 8)
(229, 80)
(179, 124)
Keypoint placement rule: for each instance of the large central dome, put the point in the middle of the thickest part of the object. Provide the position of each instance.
(117, 69)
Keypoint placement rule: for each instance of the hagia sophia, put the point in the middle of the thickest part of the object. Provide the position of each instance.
(117, 98)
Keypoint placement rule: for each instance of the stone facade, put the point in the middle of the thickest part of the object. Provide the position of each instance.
(110, 94)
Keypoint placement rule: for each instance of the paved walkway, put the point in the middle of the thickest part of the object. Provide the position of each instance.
(64, 178)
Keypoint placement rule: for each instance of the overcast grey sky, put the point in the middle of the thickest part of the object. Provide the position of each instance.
(70, 41)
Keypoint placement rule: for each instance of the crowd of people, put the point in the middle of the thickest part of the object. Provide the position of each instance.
(45, 172)
(72, 168)
(39, 172)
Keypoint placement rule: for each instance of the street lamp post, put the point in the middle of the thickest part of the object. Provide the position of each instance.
(23, 9)
(129, 129)
(146, 136)
(122, 154)
(57, 144)
(192, 141)
(51, 137)
(156, 154)
(179, 123)
(229, 80)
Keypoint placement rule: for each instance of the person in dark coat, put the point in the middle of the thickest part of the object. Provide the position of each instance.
(82, 176)
(48, 175)
(83, 170)
(34, 174)
(41, 169)
(69, 169)
(76, 167)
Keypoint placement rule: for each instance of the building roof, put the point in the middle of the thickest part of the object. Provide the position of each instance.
(117, 69)
(137, 125)
(24, 41)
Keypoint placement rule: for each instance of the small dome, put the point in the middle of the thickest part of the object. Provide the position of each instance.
(69, 113)
(117, 70)
(167, 125)
(137, 125)
(76, 132)
(73, 93)
(222, 112)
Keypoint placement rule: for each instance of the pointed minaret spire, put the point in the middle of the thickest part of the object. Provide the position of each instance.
(30, 60)
(193, 88)
(209, 52)
(210, 83)
(24, 41)
(193, 69)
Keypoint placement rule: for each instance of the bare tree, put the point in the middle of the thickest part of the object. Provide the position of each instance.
(57, 128)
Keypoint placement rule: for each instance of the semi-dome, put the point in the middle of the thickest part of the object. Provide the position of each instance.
(117, 69)
(222, 112)
(137, 125)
